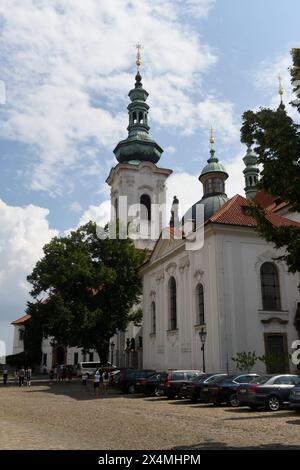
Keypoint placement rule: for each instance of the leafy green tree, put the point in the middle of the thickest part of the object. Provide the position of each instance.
(277, 142)
(245, 361)
(90, 286)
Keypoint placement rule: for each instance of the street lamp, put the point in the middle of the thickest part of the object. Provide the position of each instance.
(202, 334)
(112, 347)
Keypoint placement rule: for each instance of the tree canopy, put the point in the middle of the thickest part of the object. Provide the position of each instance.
(276, 139)
(89, 286)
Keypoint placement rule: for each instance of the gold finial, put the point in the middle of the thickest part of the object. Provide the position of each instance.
(280, 88)
(212, 139)
(138, 60)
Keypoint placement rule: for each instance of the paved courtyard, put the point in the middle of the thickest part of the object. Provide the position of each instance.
(66, 416)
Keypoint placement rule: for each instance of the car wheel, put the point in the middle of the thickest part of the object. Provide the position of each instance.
(157, 392)
(273, 403)
(234, 401)
(131, 389)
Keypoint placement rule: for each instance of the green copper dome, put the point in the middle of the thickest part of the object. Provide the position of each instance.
(138, 145)
(213, 166)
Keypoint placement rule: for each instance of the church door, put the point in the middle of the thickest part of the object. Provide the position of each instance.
(60, 355)
(276, 353)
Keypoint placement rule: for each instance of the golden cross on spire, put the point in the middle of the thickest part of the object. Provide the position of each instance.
(280, 88)
(212, 139)
(138, 60)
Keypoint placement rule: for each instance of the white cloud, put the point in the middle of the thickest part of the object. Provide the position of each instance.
(235, 183)
(186, 187)
(23, 233)
(99, 214)
(75, 207)
(266, 79)
(66, 66)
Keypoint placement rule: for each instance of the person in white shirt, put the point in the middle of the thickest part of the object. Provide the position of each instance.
(97, 378)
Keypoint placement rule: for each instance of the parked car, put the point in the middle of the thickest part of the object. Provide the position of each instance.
(151, 385)
(192, 388)
(295, 398)
(268, 391)
(129, 378)
(225, 391)
(171, 385)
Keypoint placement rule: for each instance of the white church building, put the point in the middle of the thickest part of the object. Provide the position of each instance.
(233, 290)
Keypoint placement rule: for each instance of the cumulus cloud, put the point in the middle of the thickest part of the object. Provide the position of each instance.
(99, 214)
(68, 66)
(23, 233)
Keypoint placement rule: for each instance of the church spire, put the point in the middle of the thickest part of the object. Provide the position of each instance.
(213, 175)
(251, 173)
(138, 146)
(280, 92)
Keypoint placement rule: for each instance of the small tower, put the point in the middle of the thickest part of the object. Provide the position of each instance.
(136, 178)
(213, 177)
(251, 173)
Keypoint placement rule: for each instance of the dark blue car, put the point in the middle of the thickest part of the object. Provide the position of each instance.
(225, 391)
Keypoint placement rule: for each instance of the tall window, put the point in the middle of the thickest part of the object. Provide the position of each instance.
(200, 304)
(75, 359)
(270, 286)
(153, 318)
(172, 304)
(145, 202)
(91, 356)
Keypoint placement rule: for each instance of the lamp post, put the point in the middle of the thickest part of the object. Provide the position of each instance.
(202, 334)
(112, 347)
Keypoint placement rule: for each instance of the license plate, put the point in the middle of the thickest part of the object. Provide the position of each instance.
(243, 390)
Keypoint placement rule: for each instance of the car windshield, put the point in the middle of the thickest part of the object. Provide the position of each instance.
(216, 379)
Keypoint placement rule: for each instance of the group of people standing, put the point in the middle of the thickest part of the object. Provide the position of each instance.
(61, 373)
(101, 378)
(22, 376)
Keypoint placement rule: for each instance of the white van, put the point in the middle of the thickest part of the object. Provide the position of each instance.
(88, 367)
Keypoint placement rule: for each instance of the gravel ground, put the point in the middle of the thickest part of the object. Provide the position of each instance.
(66, 416)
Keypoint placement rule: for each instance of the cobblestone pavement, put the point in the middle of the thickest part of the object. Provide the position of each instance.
(66, 416)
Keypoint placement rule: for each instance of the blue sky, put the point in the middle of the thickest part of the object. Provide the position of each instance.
(67, 67)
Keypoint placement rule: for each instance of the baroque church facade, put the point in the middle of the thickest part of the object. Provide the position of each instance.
(232, 291)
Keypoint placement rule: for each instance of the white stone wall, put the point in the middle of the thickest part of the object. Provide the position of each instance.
(228, 266)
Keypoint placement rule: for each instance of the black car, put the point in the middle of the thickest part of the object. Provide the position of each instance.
(129, 378)
(225, 391)
(193, 388)
(295, 398)
(171, 386)
(268, 391)
(151, 385)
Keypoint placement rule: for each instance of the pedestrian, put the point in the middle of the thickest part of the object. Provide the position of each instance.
(21, 376)
(84, 378)
(105, 381)
(5, 375)
(28, 376)
(97, 378)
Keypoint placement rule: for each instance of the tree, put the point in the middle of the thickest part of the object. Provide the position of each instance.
(245, 361)
(277, 142)
(90, 285)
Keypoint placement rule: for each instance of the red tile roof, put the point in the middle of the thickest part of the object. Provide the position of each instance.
(234, 212)
(21, 320)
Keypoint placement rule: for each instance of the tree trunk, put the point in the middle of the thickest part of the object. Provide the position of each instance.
(103, 350)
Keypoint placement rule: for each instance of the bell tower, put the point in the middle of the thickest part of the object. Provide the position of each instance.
(136, 178)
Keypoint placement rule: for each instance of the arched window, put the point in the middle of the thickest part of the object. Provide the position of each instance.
(172, 304)
(134, 118)
(270, 286)
(116, 206)
(200, 304)
(145, 202)
(141, 120)
(153, 318)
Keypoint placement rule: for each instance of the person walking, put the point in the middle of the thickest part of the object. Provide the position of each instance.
(97, 378)
(5, 375)
(28, 376)
(21, 375)
(105, 381)
(84, 379)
